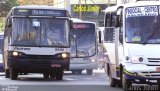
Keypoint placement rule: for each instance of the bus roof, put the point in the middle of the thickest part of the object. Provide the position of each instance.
(142, 3)
(138, 3)
(37, 7)
(76, 20)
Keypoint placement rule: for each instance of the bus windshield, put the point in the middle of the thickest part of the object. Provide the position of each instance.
(83, 41)
(40, 32)
(142, 25)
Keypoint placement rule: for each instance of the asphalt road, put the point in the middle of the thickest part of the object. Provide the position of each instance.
(35, 82)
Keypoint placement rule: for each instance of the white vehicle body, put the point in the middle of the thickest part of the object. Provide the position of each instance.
(1, 50)
(80, 61)
(37, 41)
(138, 58)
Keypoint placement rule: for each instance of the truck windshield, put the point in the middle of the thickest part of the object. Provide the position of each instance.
(142, 25)
(83, 41)
(40, 32)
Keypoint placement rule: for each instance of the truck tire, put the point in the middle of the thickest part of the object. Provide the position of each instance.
(13, 74)
(7, 73)
(90, 72)
(59, 74)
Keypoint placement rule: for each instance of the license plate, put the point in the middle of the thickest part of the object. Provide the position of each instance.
(158, 69)
(56, 65)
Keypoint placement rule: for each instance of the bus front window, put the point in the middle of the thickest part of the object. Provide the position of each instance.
(141, 27)
(40, 32)
(83, 42)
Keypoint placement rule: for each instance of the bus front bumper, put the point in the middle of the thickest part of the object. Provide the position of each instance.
(77, 66)
(141, 71)
(38, 64)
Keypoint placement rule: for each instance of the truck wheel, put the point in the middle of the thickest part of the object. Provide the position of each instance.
(112, 81)
(7, 73)
(13, 74)
(59, 74)
(46, 75)
(90, 72)
(126, 83)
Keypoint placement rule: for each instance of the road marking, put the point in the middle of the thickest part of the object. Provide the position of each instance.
(70, 79)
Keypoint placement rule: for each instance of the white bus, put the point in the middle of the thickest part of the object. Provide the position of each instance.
(83, 47)
(36, 40)
(1, 51)
(131, 42)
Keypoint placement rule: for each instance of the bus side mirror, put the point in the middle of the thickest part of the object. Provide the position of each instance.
(71, 24)
(100, 36)
(119, 17)
(9, 23)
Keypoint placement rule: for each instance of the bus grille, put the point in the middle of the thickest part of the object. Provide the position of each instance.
(153, 62)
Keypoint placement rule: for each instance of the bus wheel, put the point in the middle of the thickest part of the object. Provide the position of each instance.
(13, 74)
(53, 74)
(126, 83)
(79, 72)
(7, 73)
(59, 74)
(74, 72)
(46, 75)
(90, 72)
(112, 81)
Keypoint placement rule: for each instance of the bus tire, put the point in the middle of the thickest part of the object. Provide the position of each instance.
(74, 72)
(13, 74)
(46, 75)
(112, 81)
(126, 83)
(53, 74)
(7, 73)
(90, 72)
(59, 74)
(79, 72)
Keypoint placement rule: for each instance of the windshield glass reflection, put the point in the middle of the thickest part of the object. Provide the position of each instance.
(83, 41)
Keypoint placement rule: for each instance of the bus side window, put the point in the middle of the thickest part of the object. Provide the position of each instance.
(110, 20)
(121, 28)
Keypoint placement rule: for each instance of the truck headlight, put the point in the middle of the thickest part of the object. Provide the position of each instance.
(137, 59)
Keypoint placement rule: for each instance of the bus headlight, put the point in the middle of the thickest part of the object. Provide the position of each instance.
(93, 60)
(137, 59)
(15, 53)
(64, 55)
